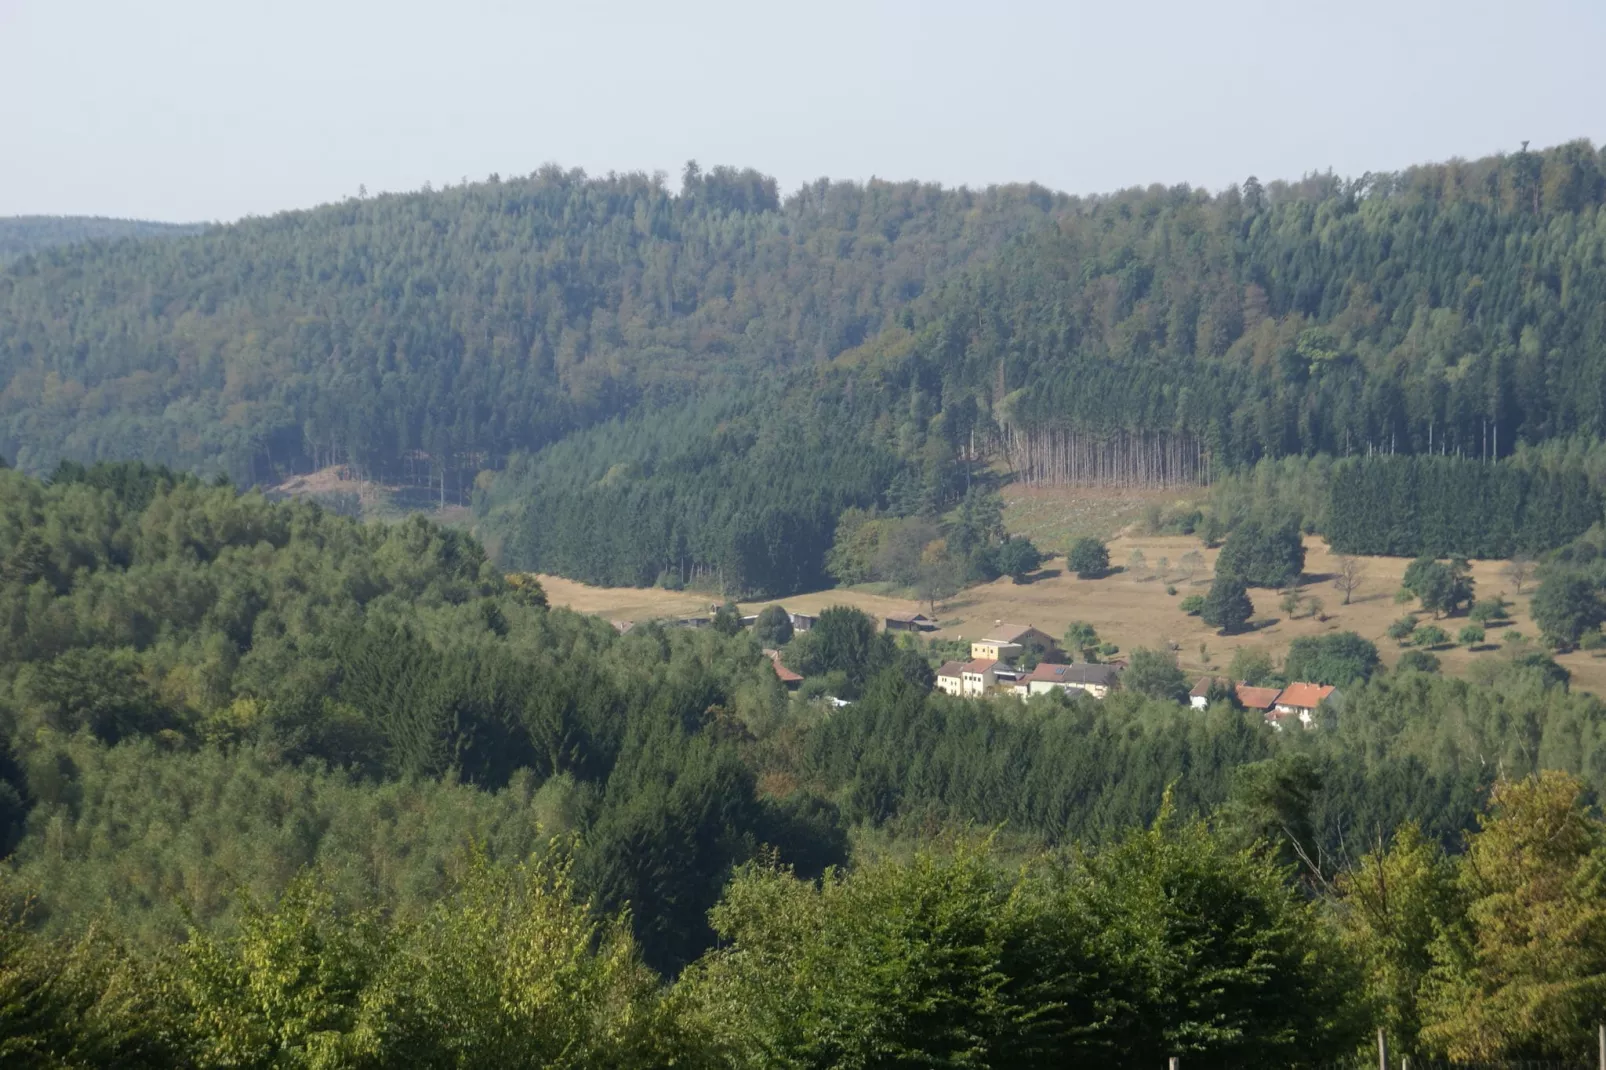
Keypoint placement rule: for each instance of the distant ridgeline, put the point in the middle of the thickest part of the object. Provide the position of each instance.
(24, 234)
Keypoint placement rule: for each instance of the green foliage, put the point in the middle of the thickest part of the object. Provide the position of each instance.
(773, 628)
(1417, 661)
(549, 302)
(1082, 639)
(1088, 558)
(1098, 958)
(727, 619)
(1395, 903)
(1339, 658)
(1440, 587)
(1263, 555)
(1227, 606)
(1252, 665)
(1566, 605)
(1489, 610)
(1155, 674)
(1429, 636)
(1018, 558)
(1518, 974)
(1402, 629)
(1470, 635)
(1193, 605)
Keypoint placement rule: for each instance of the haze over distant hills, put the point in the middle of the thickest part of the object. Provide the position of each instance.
(24, 234)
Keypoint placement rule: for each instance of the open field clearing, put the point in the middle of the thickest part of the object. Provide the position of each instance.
(1132, 609)
(1055, 517)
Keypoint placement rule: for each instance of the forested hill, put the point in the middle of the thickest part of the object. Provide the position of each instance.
(464, 323)
(24, 234)
(1455, 308)
(1153, 336)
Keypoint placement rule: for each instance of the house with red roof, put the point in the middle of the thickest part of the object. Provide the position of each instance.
(977, 676)
(1299, 702)
(791, 679)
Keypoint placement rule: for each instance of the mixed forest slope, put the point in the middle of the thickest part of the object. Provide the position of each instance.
(606, 355)
(431, 334)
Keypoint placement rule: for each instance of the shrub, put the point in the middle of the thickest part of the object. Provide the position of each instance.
(1193, 605)
(1401, 629)
(1417, 661)
(1471, 635)
(1089, 558)
(1429, 635)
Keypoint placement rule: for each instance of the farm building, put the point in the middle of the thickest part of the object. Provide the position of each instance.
(977, 676)
(1299, 702)
(950, 678)
(1006, 642)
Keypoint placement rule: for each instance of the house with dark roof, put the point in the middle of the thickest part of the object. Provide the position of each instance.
(1095, 680)
(910, 622)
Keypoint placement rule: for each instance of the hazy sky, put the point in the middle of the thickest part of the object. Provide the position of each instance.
(212, 109)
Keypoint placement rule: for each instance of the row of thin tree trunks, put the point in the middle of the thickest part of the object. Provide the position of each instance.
(1061, 457)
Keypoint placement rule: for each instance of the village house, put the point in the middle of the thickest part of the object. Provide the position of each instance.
(1007, 642)
(977, 677)
(1199, 697)
(802, 622)
(1096, 680)
(1049, 677)
(1300, 702)
(951, 678)
(1261, 699)
(790, 679)
(917, 622)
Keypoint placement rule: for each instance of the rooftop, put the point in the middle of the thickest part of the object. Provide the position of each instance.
(1257, 698)
(950, 668)
(980, 665)
(1080, 674)
(1304, 696)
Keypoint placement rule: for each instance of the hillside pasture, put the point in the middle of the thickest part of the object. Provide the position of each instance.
(1132, 609)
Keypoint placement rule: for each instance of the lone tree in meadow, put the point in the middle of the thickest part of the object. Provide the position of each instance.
(1519, 570)
(1018, 558)
(1227, 606)
(1089, 558)
(1351, 574)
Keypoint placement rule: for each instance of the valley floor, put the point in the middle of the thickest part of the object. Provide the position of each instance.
(1133, 609)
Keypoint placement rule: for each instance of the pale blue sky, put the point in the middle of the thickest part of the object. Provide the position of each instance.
(212, 109)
